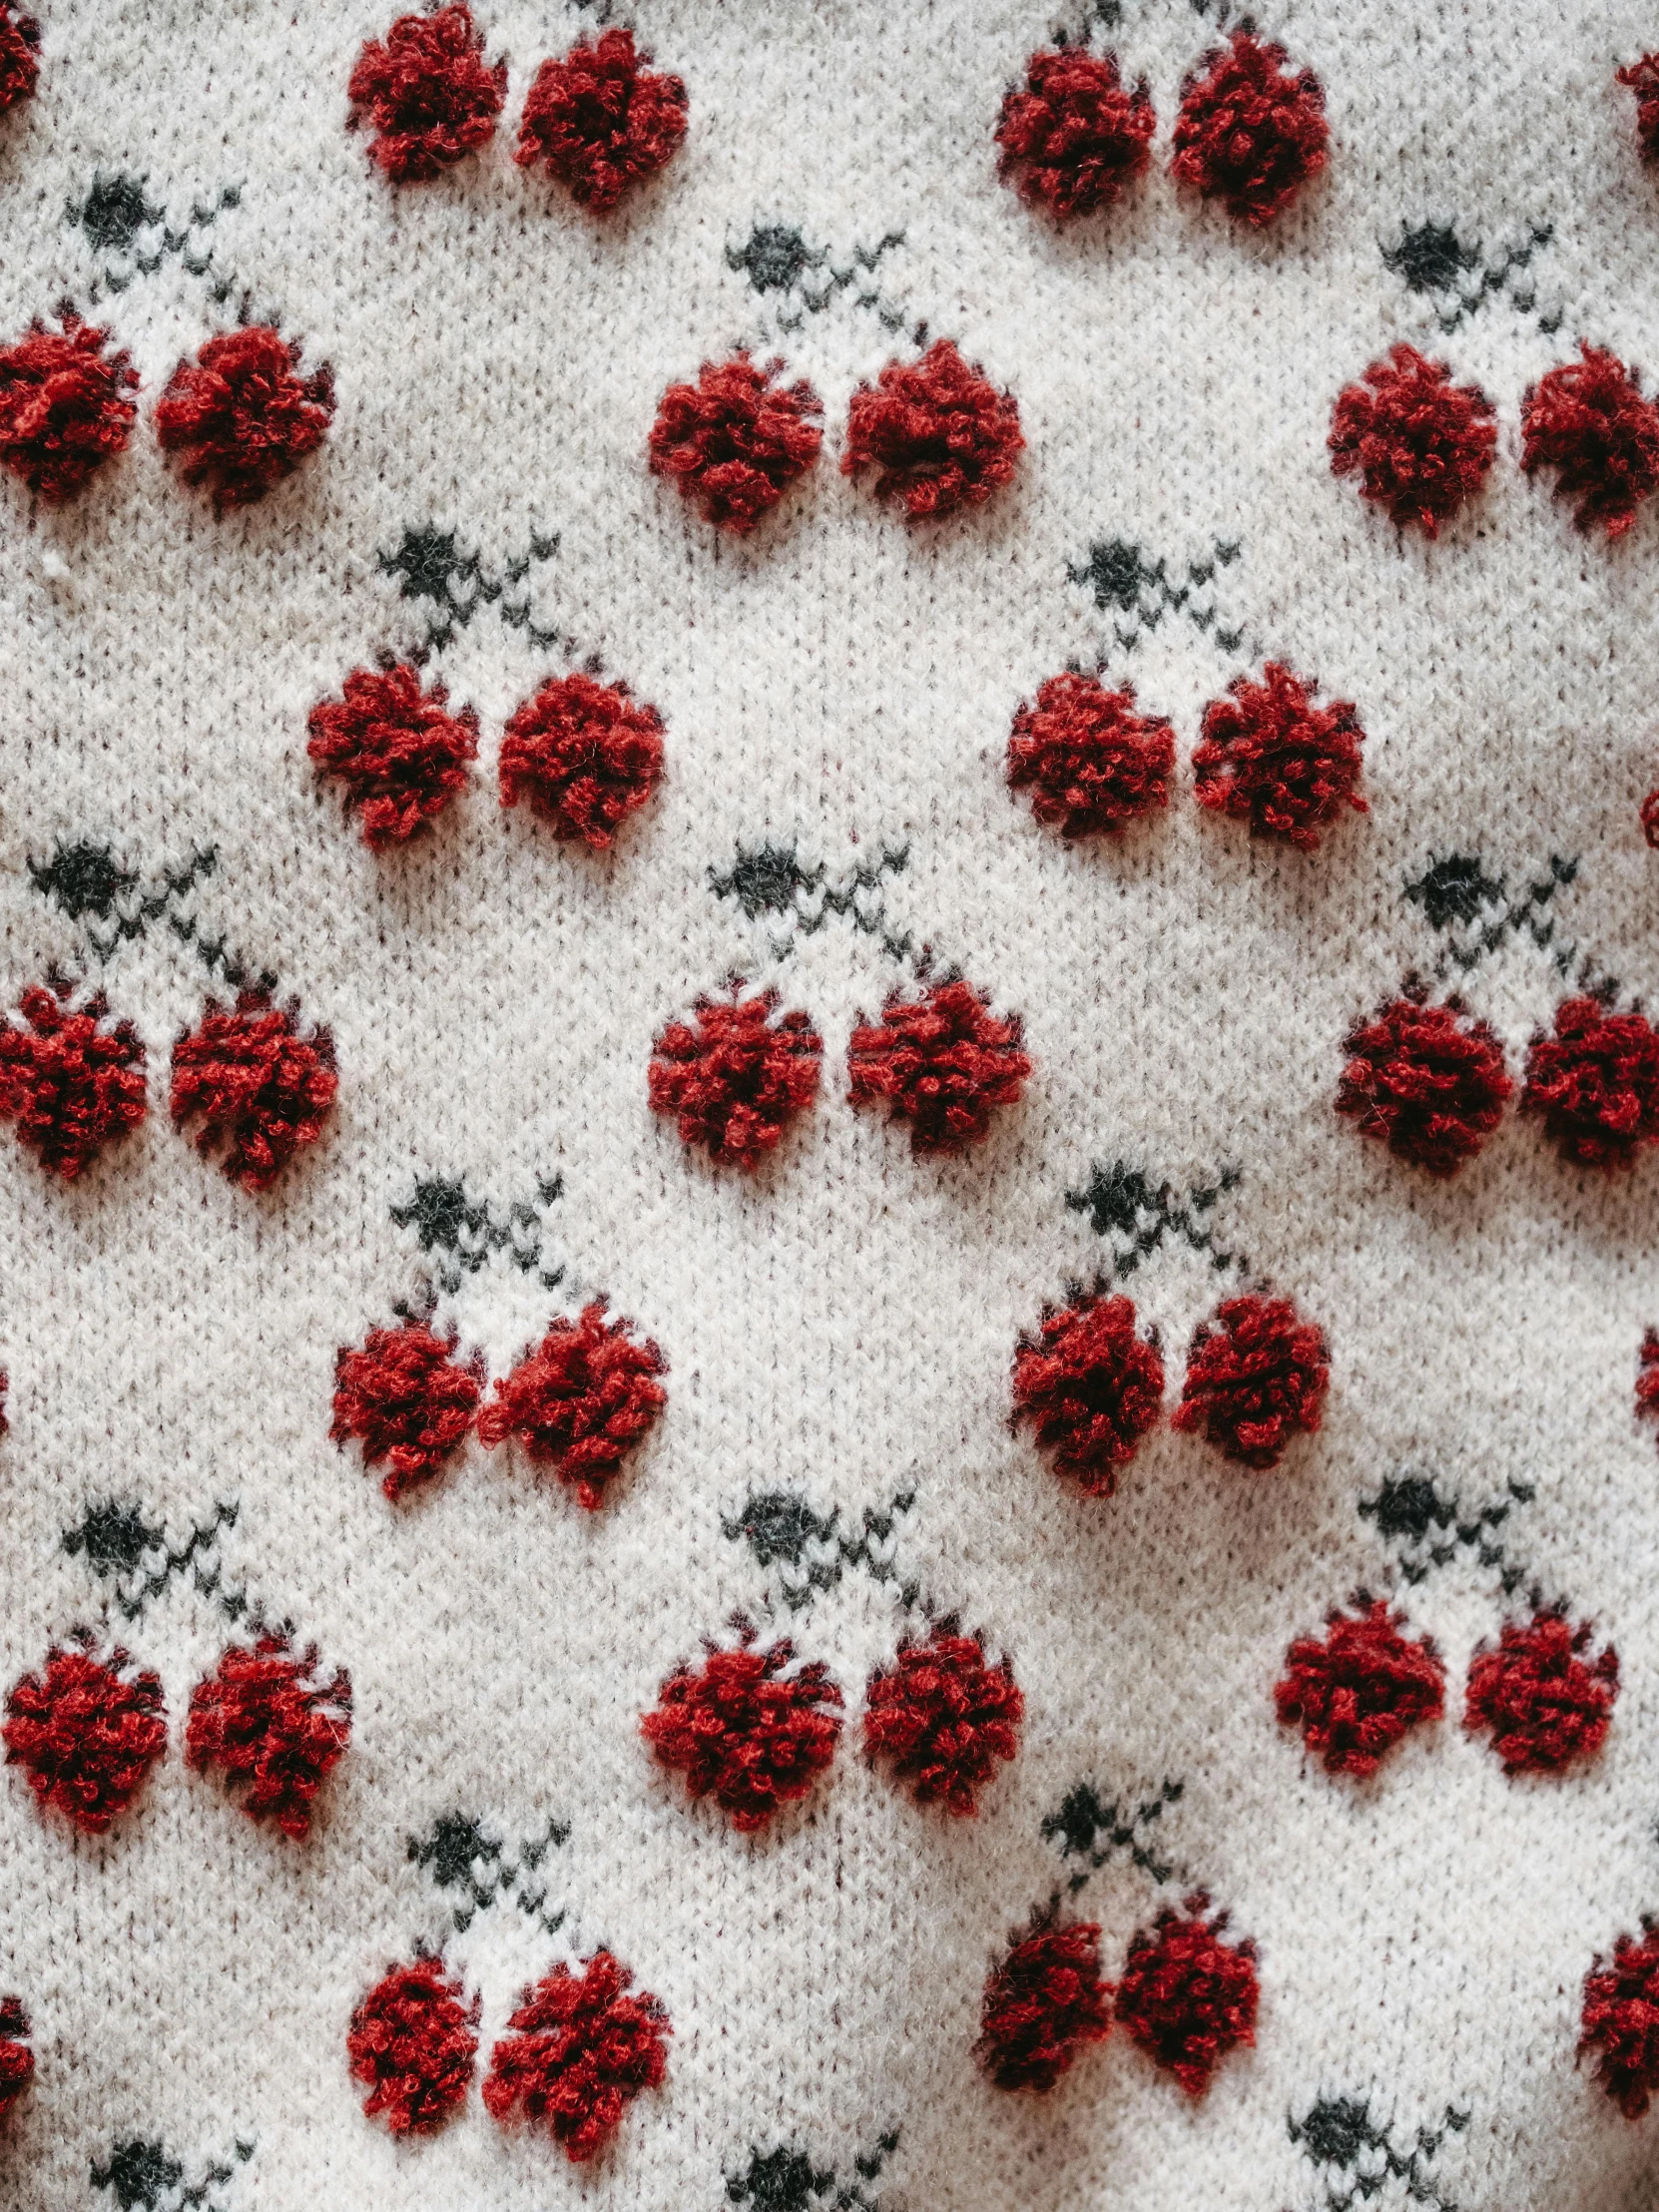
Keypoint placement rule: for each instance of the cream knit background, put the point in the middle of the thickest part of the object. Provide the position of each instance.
(840, 1325)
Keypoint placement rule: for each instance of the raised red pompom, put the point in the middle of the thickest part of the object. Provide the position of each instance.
(745, 1730)
(1419, 444)
(1650, 819)
(70, 1081)
(270, 1719)
(1539, 1699)
(17, 2061)
(1647, 1375)
(256, 1087)
(1426, 1081)
(942, 1061)
(409, 1401)
(1358, 1691)
(1250, 132)
(1187, 1996)
(938, 433)
(412, 2043)
(943, 1718)
(64, 409)
(1588, 421)
(1257, 1375)
(1089, 761)
(429, 93)
(1043, 2003)
(581, 1400)
(1621, 2021)
(577, 2052)
(1271, 757)
(1092, 1388)
(735, 440)
(1643, 79)
(739, 1077)
(241, 417)
(1595, 1083)
(1074, 136)
(86, 1730)
(598, 122)
(584, 755)
(396, 749)
(19, 59)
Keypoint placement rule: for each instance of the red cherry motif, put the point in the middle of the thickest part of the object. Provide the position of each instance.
(395, 750)
(239, 416)
(1593, 1082)
(1272, 758)
(1187, 1996)
(580, 1400)
(427, 92)
(1043, 2003)
(408, 1400)
(1620, 2021)
(1251, 133)
(19, 56)
(577, 2052)
(1426, 1081)
(745, 1730)
(412, 2043)
(1587, 420)
(599, 122)
(943, 1718)
(64, 409)
(255, 1088)
(1419, 445)
(270, 1719)
(1257, 1375)
(1361, 1689)
(584, 755)
(1091, 764)
(1090, 1388)
(1541, 1698)
(71, 1079)
(737, 1075)
(1074, 135)
(735, 442)
(938, 432)
(942, 1062)
(86, 1730)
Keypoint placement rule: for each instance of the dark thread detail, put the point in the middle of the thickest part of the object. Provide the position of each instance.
(116, 212)
(1432, 261)
(782, 1530)
(431, 569)
(462, 1235)
(460, 1854)
(786, 2180)
(1339, 2132)
(1084, 1828)
(85, 879)
(776, 259)
(771, 880)
(1427, 1528)
(122, 1547)
(1124, 1206)
(1476, 912)
(1118, 573)
(143, 2176)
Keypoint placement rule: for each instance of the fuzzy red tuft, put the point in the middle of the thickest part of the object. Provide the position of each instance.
(943, 1718)
(1647, 1375)
(1621, 2021)
(253, 1085)
(1090, 1388)
(1074, 136)
(1089, 761)
(735, 440)
(412, 2043)
(1271, 757)
(1257, 1375)
(944, 1061)
(1588, 421)
(1419, 444)
(1426, 1081)
(1043, 2003)
(85, 1731)
(64, 409)
(270, 1719)
(409, 1401)
(1642, 77)
(584, 755)
(599, 123)
(1186, 1996)
(1542, 1701)
(579, 1399)
(17, 2061)
(429, 93)
(1650, 819)
(1354, 1694)
(1250, 132)
(940, 434)
(577, 2052)
(241, 417)
(19, 56)
(71, 1082)
(739, 1078)
(744, 1731)
(396, 749)
(1595, 1083)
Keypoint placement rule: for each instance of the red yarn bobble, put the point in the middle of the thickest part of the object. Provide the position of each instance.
(599, 123)
(939, 435)
(1074, 138)
(1419, 445)
(429, 93)
(943, 1718)
(85, 1731)
(270, 1719)
(17, 2061)
(1542, 1702)
(942, 1062)
(412, 2043)
(584, 755)
(403, 1393)
(64, 409)
(1621, 2021)
(1594, 1084)
(577, 2051)
(744, 1731)
(19, 60)
(1090, 1388)
(257, 1088)
(1426, 1081)
(580, 1400)
(735, 440)
(1250, 132)
(1642, 77)
(71, 1080)
(1356, 1693)
(395, 750)
(1256, 1377)
(1271, 757)
(1185, 1995)
(1090, 763)
(1043, 2003)
(737, 1075)
(239, 417)
(1588, 421)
